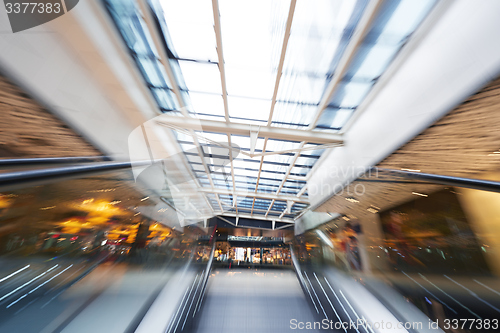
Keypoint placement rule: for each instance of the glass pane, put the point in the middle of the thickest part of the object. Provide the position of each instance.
(316, 33)
(249, 82)
(249, 108)
(301, 88)
(334, 118)
(151, 72)
(398, 19)
(371, 61)
(166, 99)
(292, 115)
(207, 103)
(190, 26)
(252, 32)
(350, 95)
(201, 77)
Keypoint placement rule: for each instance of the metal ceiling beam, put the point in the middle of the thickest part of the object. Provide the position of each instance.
(231, 161)
(359, 33)
(289, 170)
(260, 169)
(220, 55)
(261, 195)
(286, 37)
(255, 214)
(270, 206)
(285, 178)
(257, 210)
(302, 191)
(225, 220)
(248, 216)
(301, 214)
(278, 133)
(253, 203)
(417, 36)
(222, 71)
(164, 59)
(207, 170)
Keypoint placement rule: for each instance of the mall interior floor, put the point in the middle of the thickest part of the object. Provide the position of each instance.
(253, 300)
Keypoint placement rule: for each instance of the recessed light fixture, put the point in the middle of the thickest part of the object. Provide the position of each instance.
(420, 194)
(410, 170)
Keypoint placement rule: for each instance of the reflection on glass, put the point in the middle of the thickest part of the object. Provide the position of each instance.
(56, 239)
(432, 252)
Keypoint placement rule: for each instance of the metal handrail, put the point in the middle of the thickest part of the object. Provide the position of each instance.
(93, 166)
(51, 174)
(14, 162)
(476, 184)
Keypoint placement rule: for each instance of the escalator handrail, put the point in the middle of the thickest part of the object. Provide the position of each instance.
(15, 162)
(476, 184)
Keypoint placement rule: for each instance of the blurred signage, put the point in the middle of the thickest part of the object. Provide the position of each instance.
(245, 238)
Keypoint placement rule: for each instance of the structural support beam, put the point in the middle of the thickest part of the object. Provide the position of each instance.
(220, 56)
(359, 33)
(278, 133)
(270, 206)
(289, 170)
(225, 220)
(155, 35)
(148, 18)
(268, 196)
(286, 37)
(248, 216)
(302, 191)
(253, 140)
(222, 71)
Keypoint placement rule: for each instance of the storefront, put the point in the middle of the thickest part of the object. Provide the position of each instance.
(254, 252)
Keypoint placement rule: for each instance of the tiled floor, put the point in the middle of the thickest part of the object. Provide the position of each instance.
(250, 300)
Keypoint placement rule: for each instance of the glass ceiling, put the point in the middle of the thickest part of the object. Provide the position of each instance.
(270, 186)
